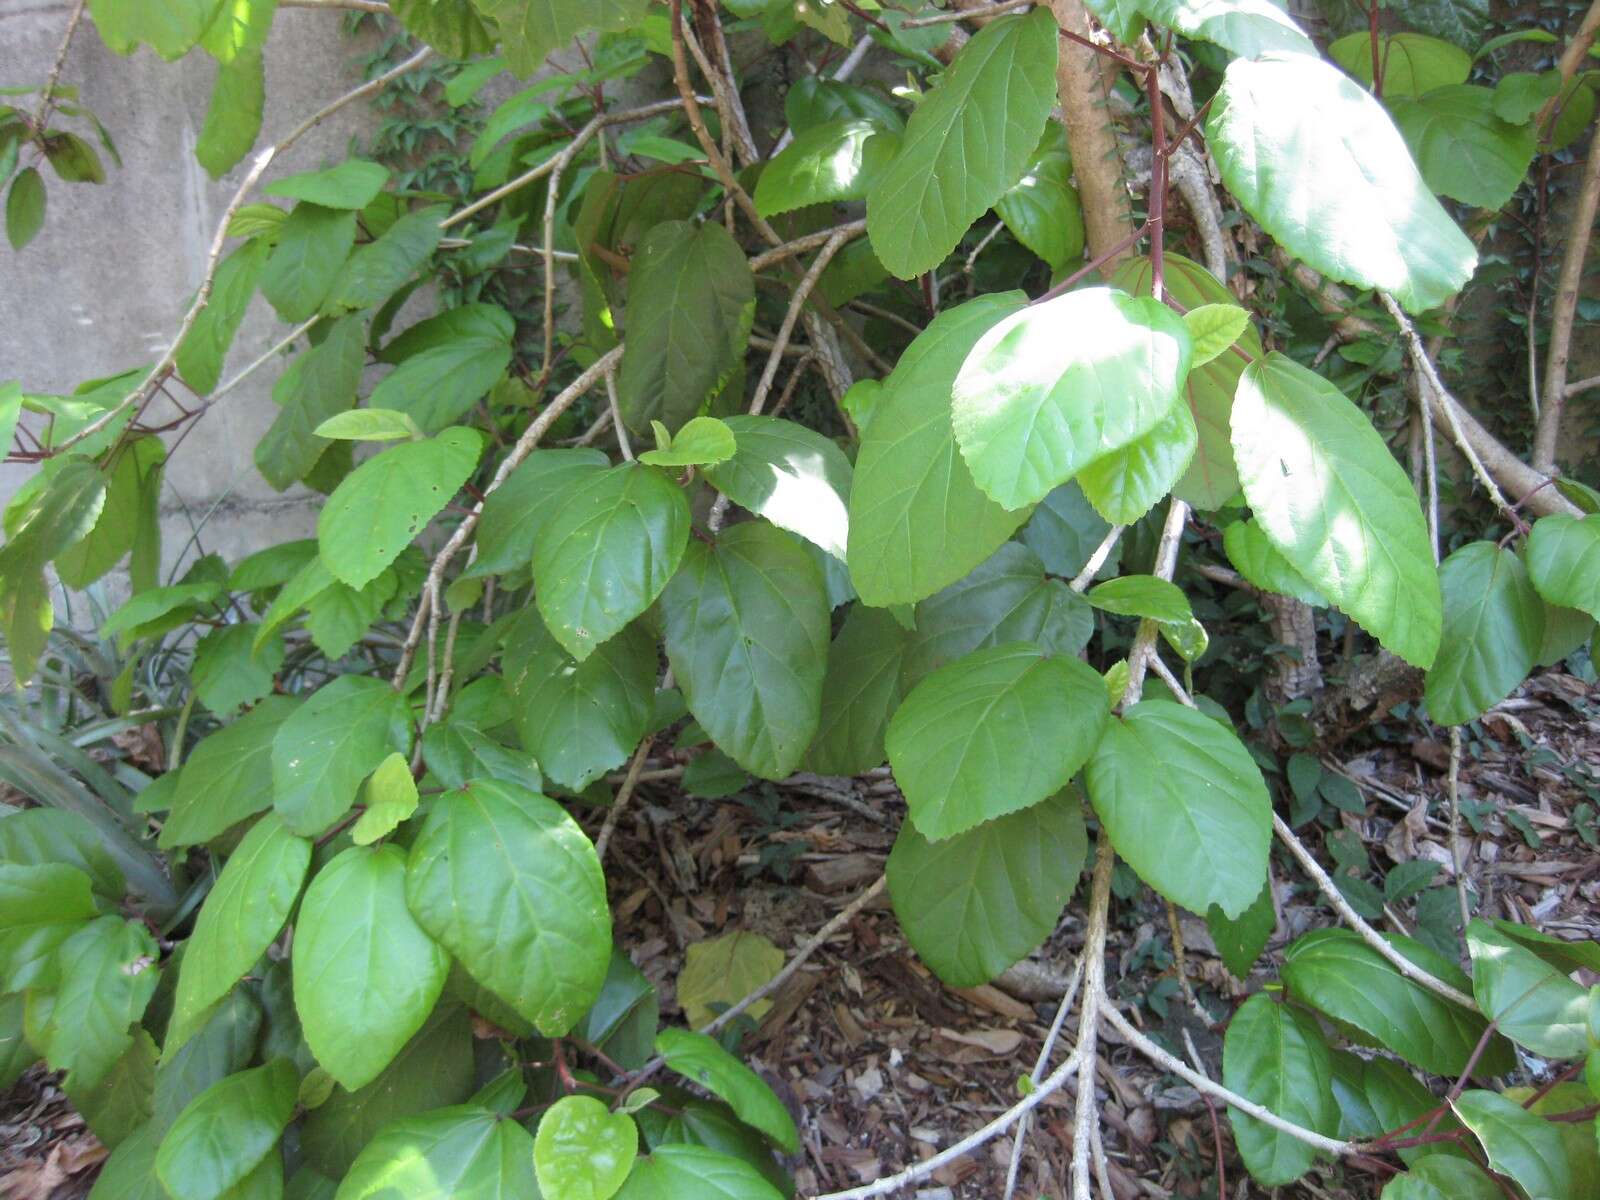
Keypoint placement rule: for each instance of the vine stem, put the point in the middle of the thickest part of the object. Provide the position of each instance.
(41, 113)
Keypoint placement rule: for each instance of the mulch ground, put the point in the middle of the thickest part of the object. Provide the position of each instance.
(883, 1065)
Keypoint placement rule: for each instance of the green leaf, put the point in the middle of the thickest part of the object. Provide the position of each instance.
(205, 349)
(606, 552)
(40, 836)
(328, 745)
(447, 364)
(130, 1172)
(391, 797)
(56, 517)
(135, 476)
(25, 206)
(579, 719)
(388, 500)
(974, 904)
(227, 1040)
(169, 27)
(1519, 1144)
(365, 974)
(509, 885)
(1276, 1056)
(1214, 328)
(793, 476)
(1396, 1098)
(16, 1056)
(119, 1106)
(1141, 596)
(312, 247)
(917, 520)
(226, 1131)
(966, 744)
(516, 511)
(1463, 149)
(1127, 483)
(1320, 165)
(1564, 561)
(227, 778)
(244, 911)
(1332, 500)
(1184, 803)
(1263, 567)
(623, 1020)
(703, 441)
(369, 425)
(1031, 407)
(747, 637)
(318, 384)
(229, 672)
(108, 972)
(966, 143)
(1442, 1178)
(582, 1150)
(1339, 974)
(531, 29)
(701, 1060)
(233, 122)
(860, 691)
(1493, 628)
(380, 268)
(462, 1153)
(1042, 209)
(1532, 1003)
(451, 27)
(1241, 940)
(151, 606)
(1005, 599)
(40, 908)
(1412, 63)
(240, 28)
(1249, 28)
(458, 752)
(815, 100)
(352, 184)
(834, 161)
(691, 299)
(695, 1173)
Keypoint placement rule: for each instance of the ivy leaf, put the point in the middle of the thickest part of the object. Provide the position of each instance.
(1253, 556)
(203, 351)
(1520, 1145)
(701, 1060)
(1564, 561)
(531, 29)
(1442, 1178)
(1320, 165)
(747, 637)
(327, 746)
(40, 908)
(380, 268)
(967, 142)
(317, 385)
(452, 27)
(1275, 1055)
(917, 520)
(385, 502)
(226, 1131)
(966, 745)
(582, 1150)
(1413, 64)
(1042, 209)
(1339, 974)
(695, 1173)
(974, 904)
(109, 970)
(793, 476)
(233, 122)
(579, 719)
(1184, 803)
(516, 511)
(312, 246)
(1332, 500)
(508, 884)
(691, 299)
(227, 778)
(607, 552)
(1127, 483)
(1032, 407)
(365, 974)
(1463, 149)
(465, 1151)
(1249, 28)
(242, 914)
(1493, 628)
(446, 364)
(703, 441)
(834, 161)
(860, 691)
(391, 797)
(1532, 1003)
(1141, 596)
(1241, 940)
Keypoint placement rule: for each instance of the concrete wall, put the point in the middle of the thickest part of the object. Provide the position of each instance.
(104, 286)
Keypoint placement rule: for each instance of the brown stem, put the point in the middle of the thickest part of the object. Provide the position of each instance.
(1090, 136)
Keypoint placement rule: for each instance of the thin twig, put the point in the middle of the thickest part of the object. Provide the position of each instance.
(1098, 559)
(1094, 953)
(791, 317)
(1456, 858)
(800, 245)
(1166, 562)
(624, 794)
(1039, 1066)
(980, 13)
(41, 114)
(616, 416)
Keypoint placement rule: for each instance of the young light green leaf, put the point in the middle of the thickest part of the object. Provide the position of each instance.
(791, 475)
(1253, 556)
(1033, 405)
(582, 1150)
(834, 161)
(702, 1060)
(328, 745)
(1519, 1145)
(108, 972)
(352, 184)
(226, 1131)
(462, 1153)
(701, 442)
(1184, 803)
(747, 637)
(1214, 328)
(387, 501)
(967, 142)
(508, 884)
(974, 904)
(1332, 500)
(965, 745)
(365, 974)
(391, 797)
(607, 552)
(228, 776)
(1141, 596)
(1493, 628)
(1464, 150)
(1564, 561)
(369, 425)
(1275, 1055)
(1532, 1003)
(917, 520)
(1320, 165)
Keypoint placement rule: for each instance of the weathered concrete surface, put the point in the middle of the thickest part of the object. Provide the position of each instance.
(104, 286)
